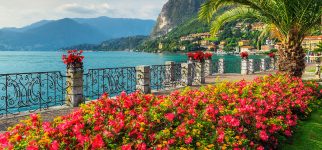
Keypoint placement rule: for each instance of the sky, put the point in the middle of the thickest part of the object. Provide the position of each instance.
(19, 13)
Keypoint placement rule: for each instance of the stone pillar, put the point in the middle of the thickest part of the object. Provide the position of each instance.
(263, 64)
(169, 70)
(273, 67)
(199, 77)
(186, 74)
(221, 66)
(317, 68)
(190, 60)
(208, 67)
(251, 66)
(143, 77)
(244, 66)
(74, 90)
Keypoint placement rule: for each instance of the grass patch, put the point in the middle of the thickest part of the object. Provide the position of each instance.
(308, 134)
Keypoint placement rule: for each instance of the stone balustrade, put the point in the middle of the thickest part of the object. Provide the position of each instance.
(191, 73)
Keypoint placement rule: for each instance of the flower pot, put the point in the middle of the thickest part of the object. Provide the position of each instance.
(75, 65)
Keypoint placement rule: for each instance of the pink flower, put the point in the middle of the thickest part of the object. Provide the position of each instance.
(34, 117)
(141, 146)
(54, 145)
(188, 140)
(260, 148)
(263, 135)
(288, 133)
(127, 147)
(169, 116)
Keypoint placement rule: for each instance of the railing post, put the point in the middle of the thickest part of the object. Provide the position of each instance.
(273, 67)
(208, 67)
(199, 73)
(74, 90)
(143, 76)
(263, 68)
(244, 66)
(251, 66)
(169, 70)
(317, 68)
(221, 66)
(186, 73)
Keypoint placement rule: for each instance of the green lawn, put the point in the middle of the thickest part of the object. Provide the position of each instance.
(308, 134)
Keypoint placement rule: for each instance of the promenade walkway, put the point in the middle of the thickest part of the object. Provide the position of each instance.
(50, 114)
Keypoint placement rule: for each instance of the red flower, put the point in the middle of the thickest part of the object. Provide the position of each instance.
(244, 55)
(169, 116)
(73, 57)
(97, 142)
(271, 55)
(208, 55)
(199, 56)
(54, 145)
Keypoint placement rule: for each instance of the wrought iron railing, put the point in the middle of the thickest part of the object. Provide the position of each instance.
(110, 80)
(215, 66)
(267, 63)
(257, 65)
(232, 66)
(165, 76)
(31, 91)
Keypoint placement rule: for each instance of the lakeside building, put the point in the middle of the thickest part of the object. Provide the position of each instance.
(311, 42)
(246, 48)
(194, 36)
(244, 43)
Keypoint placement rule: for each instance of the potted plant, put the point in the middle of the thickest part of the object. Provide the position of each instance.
(244, 55)
(73, 59)
(208, 55)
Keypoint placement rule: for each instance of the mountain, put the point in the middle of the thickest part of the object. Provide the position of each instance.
(54, 34)
(119, 27)
(124, 43)
(174, 13)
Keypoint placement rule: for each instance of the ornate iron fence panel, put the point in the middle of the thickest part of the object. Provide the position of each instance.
(232, 66)
(257, 65)
(165, 76)
(215, 66)
(31, 91)
(267, 63)
(110, 80)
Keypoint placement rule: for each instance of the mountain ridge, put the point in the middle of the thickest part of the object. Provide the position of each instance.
(54, 34)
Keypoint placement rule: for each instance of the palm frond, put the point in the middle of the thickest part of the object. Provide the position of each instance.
(231, 15)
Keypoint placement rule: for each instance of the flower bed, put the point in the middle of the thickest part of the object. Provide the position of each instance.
(241, 115)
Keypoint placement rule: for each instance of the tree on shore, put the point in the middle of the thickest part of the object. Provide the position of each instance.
(289, 20)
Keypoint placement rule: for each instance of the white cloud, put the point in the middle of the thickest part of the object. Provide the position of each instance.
(18, 13)
(84, 9)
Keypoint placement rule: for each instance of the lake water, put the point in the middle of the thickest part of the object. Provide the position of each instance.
(35, 91)
(36, 61)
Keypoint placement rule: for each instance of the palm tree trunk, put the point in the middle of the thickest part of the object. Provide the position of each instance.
(292, 56)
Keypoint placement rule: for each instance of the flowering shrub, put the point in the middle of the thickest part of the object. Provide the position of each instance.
(271, 55)
(73, 56)
(208, 55)
(244, 55)
(241, 115)
(199, 56)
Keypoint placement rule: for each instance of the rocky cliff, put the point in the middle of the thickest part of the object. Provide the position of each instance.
(174, 13)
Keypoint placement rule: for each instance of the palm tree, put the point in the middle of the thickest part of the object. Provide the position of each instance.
(319, 47)
(289, 20)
